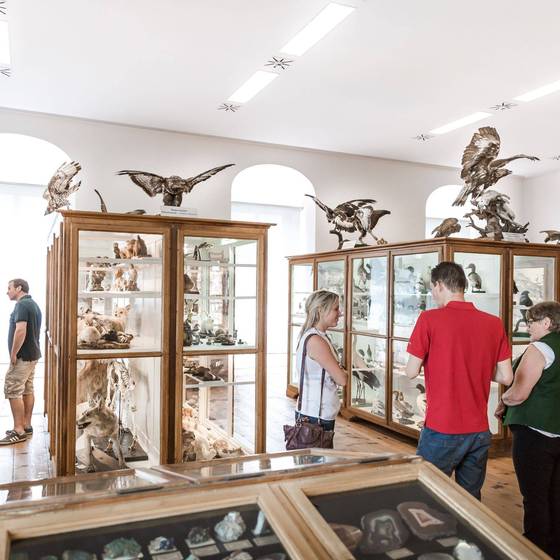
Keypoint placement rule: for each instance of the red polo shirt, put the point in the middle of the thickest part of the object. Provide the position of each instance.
(460, 346)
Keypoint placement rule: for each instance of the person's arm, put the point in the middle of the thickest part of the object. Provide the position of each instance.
(319, 350)
(504, 372)
(526, 377)
(19, 339)
(413, 366)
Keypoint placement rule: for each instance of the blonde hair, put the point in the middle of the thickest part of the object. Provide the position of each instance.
(317, 304)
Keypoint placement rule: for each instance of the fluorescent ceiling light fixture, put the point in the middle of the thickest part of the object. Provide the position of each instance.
(317, 28)
(259, 80)
(461, 122)
(4, 43)
(539, 92)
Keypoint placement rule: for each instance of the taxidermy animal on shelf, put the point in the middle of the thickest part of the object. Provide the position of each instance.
(474, 279)
(91, 380)
(60, 186)
(403, 408)
(172, 187)
(447, 227)
(481, 169)
(551, 235)
(356, 215)
(421, 401)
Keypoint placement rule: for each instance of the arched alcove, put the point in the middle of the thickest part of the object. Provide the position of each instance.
(276, 194)
(439, 205)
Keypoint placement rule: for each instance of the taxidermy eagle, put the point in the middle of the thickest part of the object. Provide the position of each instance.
(481, 169)
(172, 187)
(60, 187)
(354, 215)
(447, 227)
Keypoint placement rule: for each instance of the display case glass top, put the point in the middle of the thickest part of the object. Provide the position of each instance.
(120, 277)
(220, 293)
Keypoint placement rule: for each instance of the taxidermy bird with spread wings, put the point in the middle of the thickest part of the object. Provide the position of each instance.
(172, 187)
(60, 186)
(481, 169)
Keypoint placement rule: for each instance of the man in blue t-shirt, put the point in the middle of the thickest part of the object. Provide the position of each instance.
(23, 345)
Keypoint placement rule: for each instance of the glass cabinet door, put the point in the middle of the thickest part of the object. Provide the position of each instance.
(369, 295)
(533, 282)
(483, 272)
(411, 290)
(301, 288)
(331, 276)
(220, 293)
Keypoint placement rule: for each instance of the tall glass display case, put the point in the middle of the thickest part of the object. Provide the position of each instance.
(389, 286)
(143, 329)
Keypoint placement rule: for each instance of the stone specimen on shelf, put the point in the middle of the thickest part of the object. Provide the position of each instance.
(239, 555)
(467, 551)
(122, 548)
(356, 215)
(435, 556)
(172, 188)
(199, 536)
(231, 527)
(425, 522)
(447, 228)
(161, 544)
(77, 555)
(60, 186)
(383, 531)
(261, 526)
(348, 534)
(551, 235)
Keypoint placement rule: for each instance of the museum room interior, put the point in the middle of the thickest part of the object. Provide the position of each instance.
(231, 219)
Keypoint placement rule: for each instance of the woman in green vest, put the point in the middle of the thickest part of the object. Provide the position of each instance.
(532, 412)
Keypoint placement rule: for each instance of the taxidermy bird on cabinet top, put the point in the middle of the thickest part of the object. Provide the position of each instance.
(60, 186)
(356, 215)
(481, 169)
(447, 227)
(172, 188)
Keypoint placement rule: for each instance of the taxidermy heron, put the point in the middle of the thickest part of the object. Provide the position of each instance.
(172, 187)
(60, 186)
(354, 215)
(481, 169)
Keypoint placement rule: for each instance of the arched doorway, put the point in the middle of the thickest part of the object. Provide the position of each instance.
(439, 205)
(26, 165)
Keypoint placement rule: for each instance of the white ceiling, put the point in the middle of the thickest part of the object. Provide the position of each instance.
(391, 70)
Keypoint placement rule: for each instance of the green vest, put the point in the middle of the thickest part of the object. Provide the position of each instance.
(540, 410)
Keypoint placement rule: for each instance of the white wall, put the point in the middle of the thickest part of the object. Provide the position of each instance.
(541, 202)
(103, 149)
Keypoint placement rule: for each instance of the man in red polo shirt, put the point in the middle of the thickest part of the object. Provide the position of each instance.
(462, 349)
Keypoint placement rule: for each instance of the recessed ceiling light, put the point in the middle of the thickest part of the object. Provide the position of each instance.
(4, 43)
(503, 106)
(259, 80)
(5, 71)
(279, 63)
(423, 137)
(317, 28)
(228, 107)
(461, 122)
(539, 92)
(3, 7)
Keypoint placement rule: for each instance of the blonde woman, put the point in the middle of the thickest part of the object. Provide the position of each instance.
(317, 362)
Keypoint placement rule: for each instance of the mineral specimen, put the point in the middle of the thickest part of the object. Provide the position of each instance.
(231, 527)
(199, 536)
(348, 534)
(123, 549)
(160, 544)
(383, 531)
(425, 522)
(467, 551)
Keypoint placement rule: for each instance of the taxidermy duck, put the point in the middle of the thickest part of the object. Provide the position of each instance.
(421, 401)
(172, 187)
(400, 406)
(474, 278)
(60, 186)
(356, 215)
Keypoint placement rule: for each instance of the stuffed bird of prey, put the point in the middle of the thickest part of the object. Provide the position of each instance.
(551, 235)
(60, 186)
(172, 187)
(447, 227)
(481, 169)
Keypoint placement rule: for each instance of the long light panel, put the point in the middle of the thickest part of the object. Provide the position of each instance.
(539, 92)
(317, 28)
(259, 80)
(469, 119)
(4, 43)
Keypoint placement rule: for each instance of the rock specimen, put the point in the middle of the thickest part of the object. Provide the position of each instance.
(425, 522)
(348, 534)
(383, 531)
(231, 527)
(199, 536)
(467, 551)
(123, 549)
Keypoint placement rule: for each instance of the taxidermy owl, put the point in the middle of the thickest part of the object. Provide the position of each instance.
(60, 186)
(172, 187)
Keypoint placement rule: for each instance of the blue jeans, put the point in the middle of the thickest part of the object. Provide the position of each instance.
(326, 424)
(466, 454)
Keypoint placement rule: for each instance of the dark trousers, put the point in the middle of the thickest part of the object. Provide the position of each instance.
(326, 424)
(536, 459)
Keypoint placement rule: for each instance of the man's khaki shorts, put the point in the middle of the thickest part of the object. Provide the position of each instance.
(19, 379)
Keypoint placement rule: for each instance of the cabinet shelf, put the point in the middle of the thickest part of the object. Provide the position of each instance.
(192, 382)
(192, 263)
(113, 261)
(210, 298)
(125, 294)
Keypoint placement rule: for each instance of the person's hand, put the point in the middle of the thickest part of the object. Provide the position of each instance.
(500, 410)
(13, 359)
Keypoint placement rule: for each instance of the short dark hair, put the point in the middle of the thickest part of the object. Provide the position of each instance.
(550, 309)
(451, 275)
(21, 283)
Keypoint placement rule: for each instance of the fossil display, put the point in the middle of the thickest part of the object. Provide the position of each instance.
(60, 187)
(172, 188)
(353, 216)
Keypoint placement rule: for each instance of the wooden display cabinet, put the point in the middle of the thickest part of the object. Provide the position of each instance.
(123, 293)
(387, 286)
